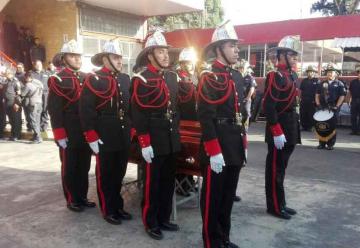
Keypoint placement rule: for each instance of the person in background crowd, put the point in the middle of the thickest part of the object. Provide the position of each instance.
(187, 105)
(13, 103)
(20, 72)
(307, 98)
(31, 94)
(37, 51)
(2, 105)
(41, 75)
(51, 68)
(354, 92)
(330, 94)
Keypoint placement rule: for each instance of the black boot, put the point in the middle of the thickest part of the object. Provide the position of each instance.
(168, 226)
(75, 207)
(282, 215)
(155, 233)
(290, 211)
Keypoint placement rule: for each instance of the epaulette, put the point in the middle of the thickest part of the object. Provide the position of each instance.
(138, 75)
(210, 73)
(57, 77)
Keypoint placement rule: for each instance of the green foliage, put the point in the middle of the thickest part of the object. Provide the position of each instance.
(211, 17)
(336, 7)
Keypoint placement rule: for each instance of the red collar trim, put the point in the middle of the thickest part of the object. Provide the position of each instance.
(106, 70)
(183, 73)
(153, 69)
(219, 64)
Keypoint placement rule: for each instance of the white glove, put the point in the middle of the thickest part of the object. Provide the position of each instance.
(148, 153)
(279, 141)
(95, 145)
(62, 143)
(217, 162)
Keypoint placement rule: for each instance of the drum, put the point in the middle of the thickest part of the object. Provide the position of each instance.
(325, 124)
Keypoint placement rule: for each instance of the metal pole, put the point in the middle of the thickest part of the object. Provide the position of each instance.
(342, 60)
(264, 64)
(302, 57)
(248, 58)
(321, 57)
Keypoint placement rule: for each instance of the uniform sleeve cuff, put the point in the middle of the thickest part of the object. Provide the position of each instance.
(144, 140)
(132, 133)
(91, 136)
(212, 147)
(59, 133)
(276, 130)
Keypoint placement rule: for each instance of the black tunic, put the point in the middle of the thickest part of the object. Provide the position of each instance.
(280, 105)
(152, 113)
(63, 105)
(218, 119)
(104, 108)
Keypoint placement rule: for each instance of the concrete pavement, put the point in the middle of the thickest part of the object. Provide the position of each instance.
(324, 186)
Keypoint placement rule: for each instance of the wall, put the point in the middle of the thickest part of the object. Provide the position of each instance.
(49, 20)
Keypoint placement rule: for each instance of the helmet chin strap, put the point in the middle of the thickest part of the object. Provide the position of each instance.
(111, 64)
(157, 61)
(67, 64)
(223, 55)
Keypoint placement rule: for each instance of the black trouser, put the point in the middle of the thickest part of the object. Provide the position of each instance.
(330, 143)
(15, 121)
(217, 198)
(355, 115)
(158, 190)
(34, 113)
(2, 117)
(75, 166)
(307, 110)
(44, 121)
(27, 117)
(110, 172)
(276, 164)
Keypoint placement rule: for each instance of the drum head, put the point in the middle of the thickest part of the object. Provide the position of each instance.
(323, 115)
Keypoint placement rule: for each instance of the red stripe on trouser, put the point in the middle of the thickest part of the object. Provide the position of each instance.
(207, 206)
(147, 195)
(99, 185)
(274, 193)
(69, 197)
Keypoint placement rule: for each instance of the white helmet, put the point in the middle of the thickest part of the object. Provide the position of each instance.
(188, 54)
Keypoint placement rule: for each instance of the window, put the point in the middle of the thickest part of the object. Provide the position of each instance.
(94, 19)
(93, 45)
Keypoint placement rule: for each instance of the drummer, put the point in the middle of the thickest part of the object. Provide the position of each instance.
(330, 94)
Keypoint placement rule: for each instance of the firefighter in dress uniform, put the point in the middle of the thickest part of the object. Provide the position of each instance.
(155, 117)
(220, 111)
(63, 106)
(354, 92)
(330, 94)
(282, 124)
(308, 88)
(104, 112)
(187, 103)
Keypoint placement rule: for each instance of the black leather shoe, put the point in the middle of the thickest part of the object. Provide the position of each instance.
(229, 244)
(113, 219)
(155, 233)
(124, 215)
(282, 215)
(320, 147)
(88, 204)
(75, 207)
(237, 198)
(290, 211)
(168, 226)
(330, 148)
